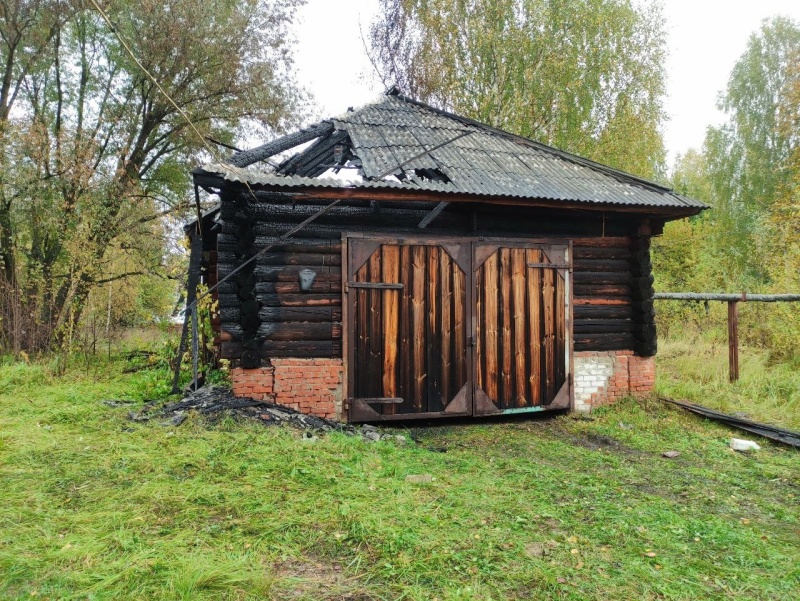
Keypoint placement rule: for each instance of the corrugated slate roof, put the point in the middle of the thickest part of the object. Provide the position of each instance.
(400, 136)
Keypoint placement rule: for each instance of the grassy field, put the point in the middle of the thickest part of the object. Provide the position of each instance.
(697, 371)
(94, 506)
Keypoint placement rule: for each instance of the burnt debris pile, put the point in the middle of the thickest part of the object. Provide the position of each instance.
(217, 401)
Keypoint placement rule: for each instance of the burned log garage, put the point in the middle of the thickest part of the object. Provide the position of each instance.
(404, 262)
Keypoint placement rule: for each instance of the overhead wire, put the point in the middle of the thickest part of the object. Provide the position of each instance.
(150, 76)
(204, 140)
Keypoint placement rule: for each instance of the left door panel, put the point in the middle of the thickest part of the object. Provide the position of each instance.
(408, 352)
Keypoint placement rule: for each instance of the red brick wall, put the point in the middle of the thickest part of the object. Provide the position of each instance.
(254, 383)
(605, 376)
(642, 373)
(312, 386)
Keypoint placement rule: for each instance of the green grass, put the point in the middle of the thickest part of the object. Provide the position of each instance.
(697, 371)
(93, 506)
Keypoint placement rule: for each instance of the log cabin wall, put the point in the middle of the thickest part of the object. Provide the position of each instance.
(264, 314)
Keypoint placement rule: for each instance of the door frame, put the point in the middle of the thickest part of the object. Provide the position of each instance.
(348, 349)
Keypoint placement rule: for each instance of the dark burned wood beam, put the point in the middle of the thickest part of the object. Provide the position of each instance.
(433, 215)
(773, 433)
(248, 157)
(264, 250)
(195, 257)
(314, 161)
(223, 144)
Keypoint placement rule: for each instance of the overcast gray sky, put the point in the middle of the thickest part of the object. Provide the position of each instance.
(706, 37)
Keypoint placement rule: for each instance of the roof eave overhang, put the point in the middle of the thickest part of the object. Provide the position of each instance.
(208, 179)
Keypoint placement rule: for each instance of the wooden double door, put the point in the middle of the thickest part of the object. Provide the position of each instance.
(456, 328)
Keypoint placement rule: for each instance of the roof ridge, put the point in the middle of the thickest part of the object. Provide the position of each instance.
(583, 161)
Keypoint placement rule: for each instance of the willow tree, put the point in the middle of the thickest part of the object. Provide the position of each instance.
(94, 154)
(586, 76)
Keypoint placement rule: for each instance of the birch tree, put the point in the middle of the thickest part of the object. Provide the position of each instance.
(586, 76)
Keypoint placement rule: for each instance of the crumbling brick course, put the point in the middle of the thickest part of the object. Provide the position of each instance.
(313, 386)
(606, 376)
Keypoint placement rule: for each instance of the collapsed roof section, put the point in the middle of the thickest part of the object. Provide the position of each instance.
(400, 143)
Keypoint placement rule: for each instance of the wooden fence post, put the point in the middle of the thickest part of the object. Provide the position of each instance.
(733, 301)
(733, 339)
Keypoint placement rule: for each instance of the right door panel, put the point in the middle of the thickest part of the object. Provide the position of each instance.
(520, 327)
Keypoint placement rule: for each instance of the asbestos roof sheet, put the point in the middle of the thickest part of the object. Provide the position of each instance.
(401, 137)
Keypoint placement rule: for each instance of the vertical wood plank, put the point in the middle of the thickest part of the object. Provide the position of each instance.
(362, 334)
(533, 281)
(446, 302)
(418, 332)
(480, 329)
(375, 328)
(406, 389)
(390, 259)
(561, 326)
(520, 345)
(433, 335)
(506, 392)
(548, 291)
(459, 326)
(490, 269)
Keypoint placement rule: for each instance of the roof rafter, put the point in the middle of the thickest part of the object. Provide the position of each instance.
(259, 153)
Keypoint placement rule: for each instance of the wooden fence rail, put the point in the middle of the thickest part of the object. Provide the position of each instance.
(733, 301)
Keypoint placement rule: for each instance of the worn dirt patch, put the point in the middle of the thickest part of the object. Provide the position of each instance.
(317, 579)
(591, 441)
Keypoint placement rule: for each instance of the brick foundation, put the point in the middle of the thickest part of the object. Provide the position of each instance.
(312, 386)
(605, 376)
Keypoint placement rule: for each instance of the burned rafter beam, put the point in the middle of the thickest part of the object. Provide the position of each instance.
(294, 164)
(314, 161)
(254, 155)
(433, 215)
